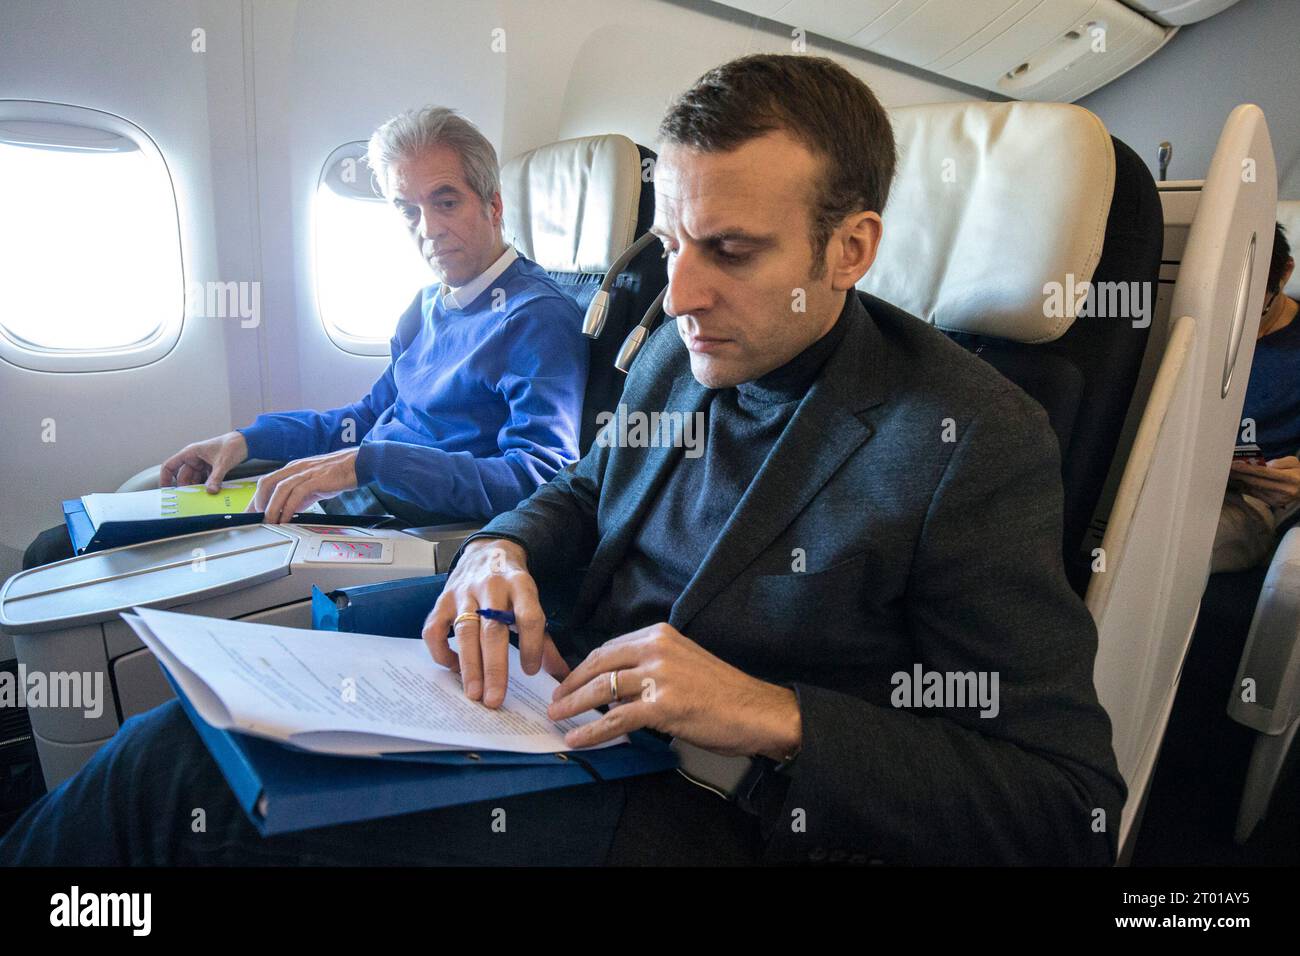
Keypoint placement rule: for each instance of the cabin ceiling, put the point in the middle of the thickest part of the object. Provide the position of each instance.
(1047, 50)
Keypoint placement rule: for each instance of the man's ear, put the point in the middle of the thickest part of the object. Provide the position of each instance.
(496, 210)
(856, 243)
(1286, 274)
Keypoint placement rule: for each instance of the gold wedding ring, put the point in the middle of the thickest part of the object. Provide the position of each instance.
(613, 686)
(464, 616)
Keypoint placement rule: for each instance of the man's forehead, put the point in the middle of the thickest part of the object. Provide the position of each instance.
(437, 168)
(762, 179)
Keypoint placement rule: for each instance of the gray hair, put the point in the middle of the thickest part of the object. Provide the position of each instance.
(410, 133)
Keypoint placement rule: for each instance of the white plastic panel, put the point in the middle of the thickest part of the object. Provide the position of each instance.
(1180, 12)
(69, 433)
(1055, 50)
(95, 587)
(1158, 542)
(945, 33)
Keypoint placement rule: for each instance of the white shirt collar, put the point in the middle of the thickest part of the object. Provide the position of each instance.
(463, 296)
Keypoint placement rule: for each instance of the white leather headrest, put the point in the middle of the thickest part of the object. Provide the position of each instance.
(1288, 214)
(991, 202)
(571, 206)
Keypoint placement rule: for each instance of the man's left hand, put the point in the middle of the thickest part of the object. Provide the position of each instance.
(1276, 482)
(302, 483)
(669, 683)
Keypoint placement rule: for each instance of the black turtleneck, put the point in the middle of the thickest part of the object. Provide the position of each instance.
(742, 424)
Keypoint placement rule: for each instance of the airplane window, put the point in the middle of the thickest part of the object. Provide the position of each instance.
(90, 261)
(367, 268)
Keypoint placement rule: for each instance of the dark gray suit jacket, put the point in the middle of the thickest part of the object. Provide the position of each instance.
(919, 550)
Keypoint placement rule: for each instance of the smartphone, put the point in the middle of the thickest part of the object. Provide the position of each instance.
(1249, 453)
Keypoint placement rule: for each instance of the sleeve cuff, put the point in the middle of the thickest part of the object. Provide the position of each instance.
(367, 464)
(255, 440)
(491, 534)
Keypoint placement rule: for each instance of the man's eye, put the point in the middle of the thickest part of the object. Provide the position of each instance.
(408, 212)
(448, 204)
(731, 257)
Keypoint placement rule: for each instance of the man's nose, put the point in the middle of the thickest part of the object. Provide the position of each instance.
(431, 226)
(689, 285)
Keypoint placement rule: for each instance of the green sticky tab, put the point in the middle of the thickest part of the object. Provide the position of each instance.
(191, 500)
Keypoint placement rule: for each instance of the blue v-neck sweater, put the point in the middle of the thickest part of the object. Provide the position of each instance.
(478, 406)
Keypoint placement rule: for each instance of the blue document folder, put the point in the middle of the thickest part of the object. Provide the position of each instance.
(283, 789)
(87, 538)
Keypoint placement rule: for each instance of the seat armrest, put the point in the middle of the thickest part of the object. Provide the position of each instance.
(1270, 660)
(446, 538)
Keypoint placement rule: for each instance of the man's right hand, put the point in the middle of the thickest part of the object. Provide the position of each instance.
(491, 573)
(204, 461)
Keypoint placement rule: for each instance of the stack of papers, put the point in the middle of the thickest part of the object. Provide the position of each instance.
(345, 694)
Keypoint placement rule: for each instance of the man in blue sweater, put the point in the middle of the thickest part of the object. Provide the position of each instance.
(481, 401)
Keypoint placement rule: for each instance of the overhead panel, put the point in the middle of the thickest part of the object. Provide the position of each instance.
(1180, 12)
(1054, 50)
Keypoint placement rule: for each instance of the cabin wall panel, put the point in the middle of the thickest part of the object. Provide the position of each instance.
(133, 58)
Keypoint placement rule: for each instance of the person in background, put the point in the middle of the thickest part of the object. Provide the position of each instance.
(1259, 497)
(481, 401)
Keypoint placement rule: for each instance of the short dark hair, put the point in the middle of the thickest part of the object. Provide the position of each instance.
(815, 100)
(1281, 253)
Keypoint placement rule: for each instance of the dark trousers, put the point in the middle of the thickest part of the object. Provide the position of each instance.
(153, 796)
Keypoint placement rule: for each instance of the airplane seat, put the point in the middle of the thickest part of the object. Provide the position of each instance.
(1265, 696)
(1000, 218)
(998, 215)
(573, 207)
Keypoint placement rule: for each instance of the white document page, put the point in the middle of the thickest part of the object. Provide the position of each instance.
(359, 694)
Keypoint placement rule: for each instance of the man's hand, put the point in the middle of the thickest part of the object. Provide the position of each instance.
(491, 573)
(204, 461)
(302, 483)
(669, 683)
(1276, 482)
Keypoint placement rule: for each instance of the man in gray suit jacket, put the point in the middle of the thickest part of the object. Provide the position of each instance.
(876, 513)
(855, 582)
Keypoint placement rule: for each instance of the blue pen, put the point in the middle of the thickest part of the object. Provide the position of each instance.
(502, 617)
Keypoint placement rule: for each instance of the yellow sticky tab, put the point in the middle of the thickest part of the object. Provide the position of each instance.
(191, 500)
